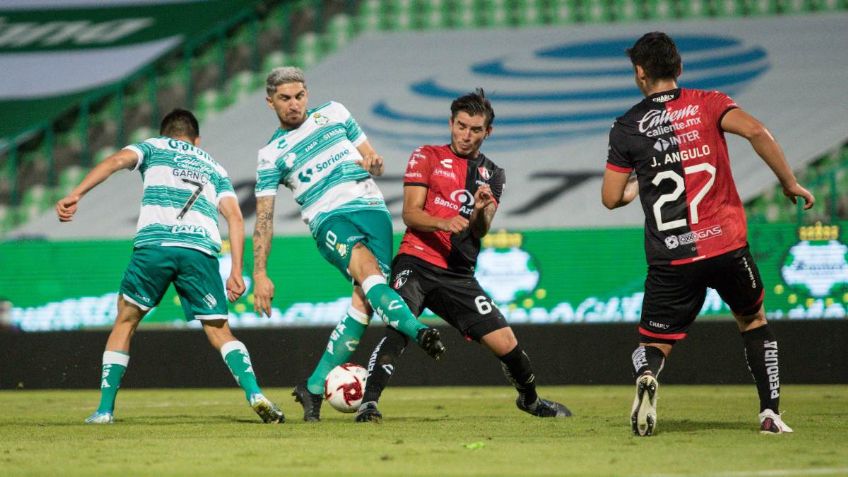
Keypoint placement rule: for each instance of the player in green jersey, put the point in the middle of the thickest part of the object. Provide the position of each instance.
(177, 241)
(323, 156)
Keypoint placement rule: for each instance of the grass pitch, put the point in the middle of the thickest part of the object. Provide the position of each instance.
(702, 430)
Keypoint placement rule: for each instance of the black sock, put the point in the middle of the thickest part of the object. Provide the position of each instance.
(382, 363)
(648, 358)
(517, 369)
(761, 354)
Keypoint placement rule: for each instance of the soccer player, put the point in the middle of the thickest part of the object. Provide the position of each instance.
(695, 230)
(323, 156)
(450, 196)
(177, 241)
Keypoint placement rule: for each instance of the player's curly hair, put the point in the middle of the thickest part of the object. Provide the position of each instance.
(657, 54)
(474, 103)
(180, 123)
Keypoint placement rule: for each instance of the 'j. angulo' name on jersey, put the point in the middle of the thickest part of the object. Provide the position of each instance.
(682, 156)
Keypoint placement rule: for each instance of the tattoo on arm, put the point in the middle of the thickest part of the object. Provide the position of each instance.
(263, 233)
(484, 221)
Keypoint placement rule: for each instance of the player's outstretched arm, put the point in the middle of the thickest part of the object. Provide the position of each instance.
(231, 211)
(371, 161)
(66, 207)
(618, 189)
(263, 287)
(414, 216)
(739, 122)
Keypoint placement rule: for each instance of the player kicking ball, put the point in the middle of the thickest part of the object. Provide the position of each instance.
(326, 160)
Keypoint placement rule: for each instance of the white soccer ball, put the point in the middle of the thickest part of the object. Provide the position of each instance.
(344, 387)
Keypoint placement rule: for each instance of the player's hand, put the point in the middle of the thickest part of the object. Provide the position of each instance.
(235, 287)
(454, 225)
(631, 190)
(483, 197)
(66, 207)
(796, 190)
(373, 164)
(263, 294)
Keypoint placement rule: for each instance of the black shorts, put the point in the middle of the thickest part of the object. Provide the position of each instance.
(674, 294)
(456, 298)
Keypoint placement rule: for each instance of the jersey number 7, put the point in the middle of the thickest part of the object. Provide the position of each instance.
(191, 200)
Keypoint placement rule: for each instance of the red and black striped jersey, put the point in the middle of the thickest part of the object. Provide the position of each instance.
(674, 142)
(451, 182)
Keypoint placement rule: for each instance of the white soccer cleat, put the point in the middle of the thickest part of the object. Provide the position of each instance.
(267, 410)
(100, 418)
(771, 423)
(643, 416)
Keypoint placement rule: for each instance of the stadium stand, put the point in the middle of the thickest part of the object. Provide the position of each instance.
(224, 65)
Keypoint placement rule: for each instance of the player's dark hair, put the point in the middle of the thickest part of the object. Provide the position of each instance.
(657, 54)
(180, 123)
(473, 104)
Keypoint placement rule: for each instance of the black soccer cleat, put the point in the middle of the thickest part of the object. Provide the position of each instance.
(430, 341)
(368, 412)
(311, 402)
(543, 408)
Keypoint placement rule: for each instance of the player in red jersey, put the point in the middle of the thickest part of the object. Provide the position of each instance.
(695, 230)
(450, 196)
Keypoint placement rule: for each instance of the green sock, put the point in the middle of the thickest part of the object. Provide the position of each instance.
(390, 307)
(238, 360)
(114, 365)
(343, 342)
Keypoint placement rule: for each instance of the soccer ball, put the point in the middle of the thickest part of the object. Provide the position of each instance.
(344, 387)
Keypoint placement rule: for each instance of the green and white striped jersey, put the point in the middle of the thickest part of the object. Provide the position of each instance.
(182, 187)
(317, 161)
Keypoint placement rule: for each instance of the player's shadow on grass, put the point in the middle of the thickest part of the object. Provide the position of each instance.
(688, 425)
(176, 419)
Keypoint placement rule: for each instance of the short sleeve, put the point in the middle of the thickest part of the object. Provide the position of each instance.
(418, 168)
(268, 176)
(224, 188)
(497, 183)
(353, 132)
(617, 158)
(720, 104)
(142, 150)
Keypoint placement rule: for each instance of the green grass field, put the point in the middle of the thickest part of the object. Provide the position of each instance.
(702, 430)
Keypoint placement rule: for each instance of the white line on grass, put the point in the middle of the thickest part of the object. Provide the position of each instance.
(767, 473)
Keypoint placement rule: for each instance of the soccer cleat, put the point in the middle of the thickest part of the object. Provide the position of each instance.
(771, 423)
(430, 341)
(543, 408)
(100, 418)
(368, 412)
(643, 417)
(267, 410)
(311, 402)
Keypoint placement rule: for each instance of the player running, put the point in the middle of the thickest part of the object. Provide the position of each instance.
(177, 242)
(695, 229)
(450, 197)
(323, 156)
